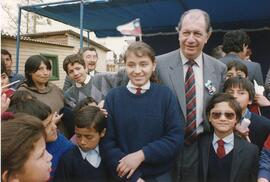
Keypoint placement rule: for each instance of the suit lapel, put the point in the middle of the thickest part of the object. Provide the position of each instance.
(236, 159)
(177, 79)
(208, 74)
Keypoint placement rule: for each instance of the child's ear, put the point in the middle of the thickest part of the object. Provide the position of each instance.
(9, 177)
(102, 134)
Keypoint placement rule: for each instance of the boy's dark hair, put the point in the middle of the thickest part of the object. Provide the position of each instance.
(32, 65)
(85, 102)
(234, 40)
(32, 107)
(20, 96)
(90, 117)
(242, 83)
(72, 59)
(5, 52)
(238, 66)
(224, 97)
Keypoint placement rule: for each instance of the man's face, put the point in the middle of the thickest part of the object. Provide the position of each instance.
(8, 61)
(90, 58)
(193, 35)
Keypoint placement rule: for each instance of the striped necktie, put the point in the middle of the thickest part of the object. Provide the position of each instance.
(190, 91)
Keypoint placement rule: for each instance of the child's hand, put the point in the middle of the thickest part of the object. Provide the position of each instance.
(56, 118)
(129, 163)
(140, 180)
(244, 131)
(261, 100)
(4, 102)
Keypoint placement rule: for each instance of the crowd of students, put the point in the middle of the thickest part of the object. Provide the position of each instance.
(131, 125)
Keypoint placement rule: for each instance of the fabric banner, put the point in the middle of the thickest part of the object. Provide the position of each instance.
(131, 28)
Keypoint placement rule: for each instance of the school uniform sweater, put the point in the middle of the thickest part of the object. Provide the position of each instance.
(150, 121)
(73, 168)
(259, 129)
(57, 148)
(219, 169)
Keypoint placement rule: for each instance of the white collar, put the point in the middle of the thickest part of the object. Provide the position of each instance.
(91, 73)
(132, 88)
(86, 81)
(227, 139)
(198, 60)
(91, 156)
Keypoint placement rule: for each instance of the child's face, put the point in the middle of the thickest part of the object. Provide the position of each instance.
(223, 119)
(241, 95)
(4, 79)
(234, 73)
(37, 168)
(76, 72)
(88, 138)
(139, 69)
(50, 128)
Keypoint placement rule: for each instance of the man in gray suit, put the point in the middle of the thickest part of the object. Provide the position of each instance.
(235, 45)
(194, 32)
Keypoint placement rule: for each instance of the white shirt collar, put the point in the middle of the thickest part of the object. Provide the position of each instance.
(92, 73)
(227, 139)
(92, 156)
(86, 81)
(198, 60)
(132, 88)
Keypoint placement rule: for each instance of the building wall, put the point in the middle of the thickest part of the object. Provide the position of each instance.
(101, 64)
(31, 48)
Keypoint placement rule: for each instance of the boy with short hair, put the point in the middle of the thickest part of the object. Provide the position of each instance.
(83, 163)
(243, 91)
(224, 156)
(75, 68)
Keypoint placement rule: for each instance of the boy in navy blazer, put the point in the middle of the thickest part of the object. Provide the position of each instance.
(223, 156)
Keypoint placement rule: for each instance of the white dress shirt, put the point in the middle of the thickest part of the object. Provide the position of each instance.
(87, 79)
(92, 156)
(132, 88)
(199, 86)
(228, 142)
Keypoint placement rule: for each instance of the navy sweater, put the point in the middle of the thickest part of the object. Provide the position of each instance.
(58, 148)
(150, 121)
(259, 129)
(73, 168)
(219, 169)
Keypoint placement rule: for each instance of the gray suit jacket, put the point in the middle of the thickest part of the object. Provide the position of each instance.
(254, 69)
(170, 72)
(245, 159)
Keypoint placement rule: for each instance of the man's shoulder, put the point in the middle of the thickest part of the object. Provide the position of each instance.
(167, 55)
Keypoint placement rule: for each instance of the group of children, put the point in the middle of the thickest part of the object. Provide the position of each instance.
(141, 136)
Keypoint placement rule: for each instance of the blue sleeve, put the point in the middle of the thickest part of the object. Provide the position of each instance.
(264, 164)
(167, 146)
(110, 151)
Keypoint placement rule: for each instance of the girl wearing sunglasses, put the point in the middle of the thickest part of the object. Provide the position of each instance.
(224, 156)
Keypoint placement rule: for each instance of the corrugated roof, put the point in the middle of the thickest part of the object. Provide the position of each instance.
(23, 38)
(61, 32)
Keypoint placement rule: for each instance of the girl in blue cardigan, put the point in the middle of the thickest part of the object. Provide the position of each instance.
(143, 126)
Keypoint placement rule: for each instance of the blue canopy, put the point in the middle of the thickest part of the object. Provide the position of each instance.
(156, 16)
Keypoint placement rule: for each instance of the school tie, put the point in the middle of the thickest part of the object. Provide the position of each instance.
(138, 91)
(190, 91)
(220, 149)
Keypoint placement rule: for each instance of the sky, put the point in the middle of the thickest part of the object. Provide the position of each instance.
(9, 14)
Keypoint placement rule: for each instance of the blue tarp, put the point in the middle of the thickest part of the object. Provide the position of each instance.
(156, 16)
